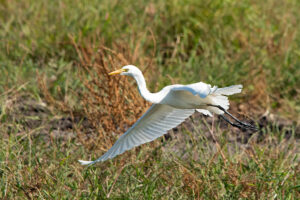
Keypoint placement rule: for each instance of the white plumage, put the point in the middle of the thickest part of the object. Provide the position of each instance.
(171, 106)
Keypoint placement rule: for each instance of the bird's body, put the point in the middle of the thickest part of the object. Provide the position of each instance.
(171, 106)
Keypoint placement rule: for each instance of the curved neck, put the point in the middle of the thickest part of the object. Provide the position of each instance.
(145, 93)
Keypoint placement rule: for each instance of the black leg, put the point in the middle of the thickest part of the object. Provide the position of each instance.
(244, 124)
(231, 123)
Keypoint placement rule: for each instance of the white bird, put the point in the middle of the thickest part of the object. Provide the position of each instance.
(171, 106)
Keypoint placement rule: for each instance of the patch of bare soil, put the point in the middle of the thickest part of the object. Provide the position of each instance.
(31, 114)
(35, 116)
(213, 130)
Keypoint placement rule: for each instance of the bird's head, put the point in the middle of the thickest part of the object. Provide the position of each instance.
(128, 70)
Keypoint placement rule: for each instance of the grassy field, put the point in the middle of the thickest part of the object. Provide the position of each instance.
(57, 104)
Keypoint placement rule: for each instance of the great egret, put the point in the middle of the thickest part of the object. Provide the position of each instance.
(171, 106)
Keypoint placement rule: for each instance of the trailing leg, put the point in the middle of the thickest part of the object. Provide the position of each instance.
(243, 124)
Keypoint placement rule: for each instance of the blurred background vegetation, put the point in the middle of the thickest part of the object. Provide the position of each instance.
(53, 52)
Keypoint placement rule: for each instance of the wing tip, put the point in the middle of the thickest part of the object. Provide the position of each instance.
(83, 162)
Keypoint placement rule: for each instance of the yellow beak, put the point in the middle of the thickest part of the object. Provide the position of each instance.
(119, 71)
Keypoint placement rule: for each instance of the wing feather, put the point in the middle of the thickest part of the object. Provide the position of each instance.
(201, 89)
(153, 124)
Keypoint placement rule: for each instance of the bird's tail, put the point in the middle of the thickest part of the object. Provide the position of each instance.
(229, 90)
(219, 97)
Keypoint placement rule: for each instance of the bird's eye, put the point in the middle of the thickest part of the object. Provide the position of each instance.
(126, 70)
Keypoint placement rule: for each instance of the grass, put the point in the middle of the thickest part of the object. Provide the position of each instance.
(255, 43)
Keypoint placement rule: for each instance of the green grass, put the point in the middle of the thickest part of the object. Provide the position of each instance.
(31, 167)
(255, 43)
(220, 42)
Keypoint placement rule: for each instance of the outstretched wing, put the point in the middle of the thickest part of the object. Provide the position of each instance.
(154, 123)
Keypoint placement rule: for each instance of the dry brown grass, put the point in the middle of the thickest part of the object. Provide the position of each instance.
(48, 97)
(111, 104)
